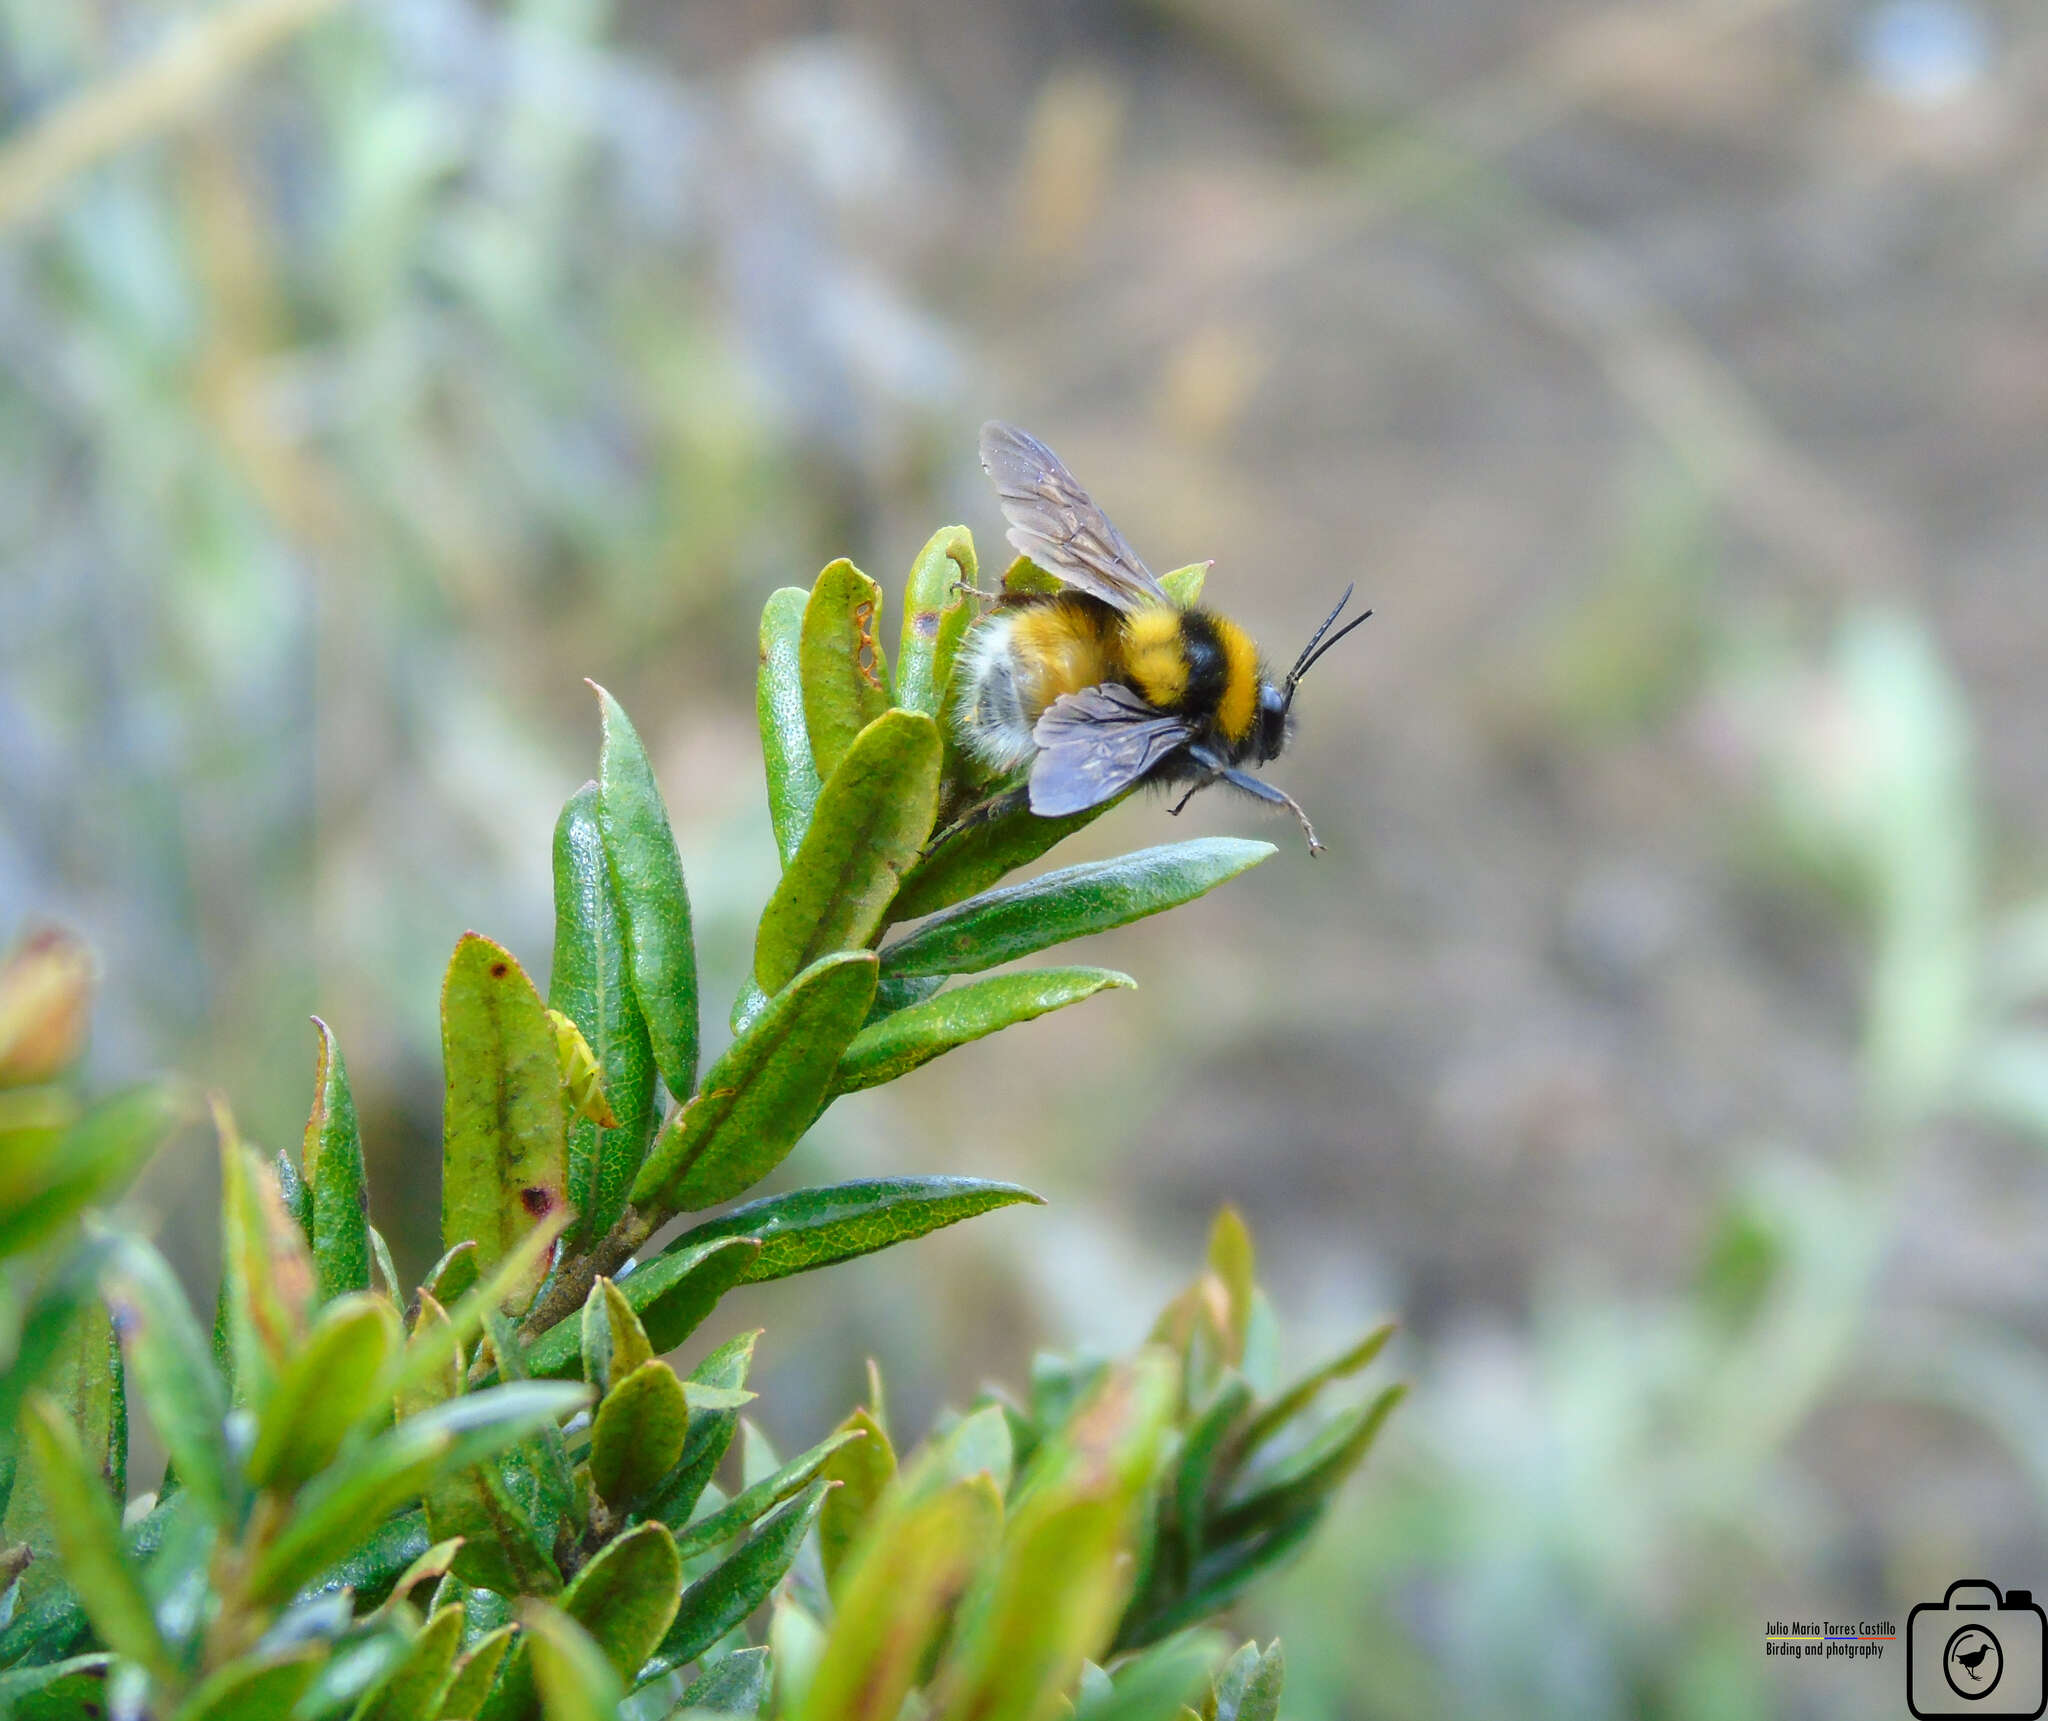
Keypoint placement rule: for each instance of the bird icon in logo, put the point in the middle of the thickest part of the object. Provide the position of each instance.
(1973, 1660)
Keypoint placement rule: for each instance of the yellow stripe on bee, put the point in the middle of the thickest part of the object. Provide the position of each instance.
(1240, 702)
(1059, 650)
(1155, 657)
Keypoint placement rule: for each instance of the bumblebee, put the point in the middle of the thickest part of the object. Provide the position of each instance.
(1109, 682)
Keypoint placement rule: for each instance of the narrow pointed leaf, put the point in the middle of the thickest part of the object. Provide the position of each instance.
(710, 1432)
(898, 1044)
(88, 1534)
(1159, 1682)
(434, 1344)
(779, 702)
(331, 1384)
(73, 1690)
(269, 1277)
(1184, 585)
(1307, 1477)
(504, 1160)
(590, 981)
(1195, 1472)
(614, 1341)
(763, 1093)
(811, 1228)
(731, 1590)
(1251, 1683)
(863, 1469)
(93, 1156)
(895, 1600)
(759, 1497)
(331, 1164)
(1223, 1575)
(474, 1675)
(936, 614)
(670, 1294)
(1231, 1260)
(735, 1684)
(414, 1687)
(172, 1365)
(80, 1376)
(503, 1548)
(1020, 919)
(839, 652)
(871, 818)
(648, 875)
(1298, 1397)
(638, 1433)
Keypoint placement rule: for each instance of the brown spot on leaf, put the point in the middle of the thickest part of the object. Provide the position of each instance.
(925, 624)
(537, 1199)
(500, 969)
(864, 647)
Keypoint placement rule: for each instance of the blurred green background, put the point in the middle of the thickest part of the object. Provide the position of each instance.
(1665, 1036)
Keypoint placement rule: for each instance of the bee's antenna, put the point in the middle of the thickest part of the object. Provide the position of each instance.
(1312, 653)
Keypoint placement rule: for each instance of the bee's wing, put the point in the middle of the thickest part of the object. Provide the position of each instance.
(1053, 522)
(1095, 744)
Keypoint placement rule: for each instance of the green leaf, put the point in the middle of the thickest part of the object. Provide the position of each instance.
(1306, 1477)
(936, 614)
(779, 702)
(172, 1364)
(1232, 1260)
(81, 1376)
(1019, 919)
(591, 982)
(648, 875)
(504, 1159)
(976, 1445)
(414, 1687)
(256, 1690)
(898, 1044)
(1249, 1687)
(1184, 585)
(710, 1432)
(347, 1503)
(1195, 1473)
(435, 1343)
(88, 1533)
(73, 1690)
(735, 1684)
(863, 1469)
(871, 819)
(627, 1596)
(268, 1277)
(638, 1433)
(333, 1382)
(375, 1564)
(1222, 1576)
(759, 1497)
(1159, 1682)
(614, 1341)
(811, 1228)
(671, 1294)
(1298, 1397)
(331, 1163)
(576, 1682)
(893, 1601)
(980, 848)
(845, 675)
(763, 1093)
(731, 1590)
(504, 1548)
(44, 1187)
(474, 1675)
(1059, 1588)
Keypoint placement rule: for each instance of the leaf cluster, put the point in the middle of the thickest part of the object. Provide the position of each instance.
(491, 1496)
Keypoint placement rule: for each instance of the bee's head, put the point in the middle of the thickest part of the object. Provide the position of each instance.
(1276, 702)
(1274, 722)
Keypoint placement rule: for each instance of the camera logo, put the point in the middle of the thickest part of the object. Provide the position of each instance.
(1973, 1653)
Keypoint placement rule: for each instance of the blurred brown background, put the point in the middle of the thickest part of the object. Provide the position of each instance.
(1663, 1036)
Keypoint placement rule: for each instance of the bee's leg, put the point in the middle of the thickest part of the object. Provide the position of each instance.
(1264, 791)
(995, 807)
(1199, 785)
(977, 592)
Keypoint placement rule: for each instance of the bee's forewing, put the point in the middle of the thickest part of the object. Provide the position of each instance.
(1095, 744)
(1055, 523)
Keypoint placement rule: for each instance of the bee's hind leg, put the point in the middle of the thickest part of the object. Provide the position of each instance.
(995, 806)
(1259, 790)
(1194, 789)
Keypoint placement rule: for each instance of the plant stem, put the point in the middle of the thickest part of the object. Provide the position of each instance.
(572, 1285)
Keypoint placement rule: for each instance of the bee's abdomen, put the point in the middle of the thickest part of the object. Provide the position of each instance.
(1196, 664)
(1018, 660)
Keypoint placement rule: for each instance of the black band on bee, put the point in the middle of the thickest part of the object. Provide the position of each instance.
(1208, 667)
